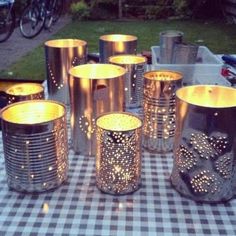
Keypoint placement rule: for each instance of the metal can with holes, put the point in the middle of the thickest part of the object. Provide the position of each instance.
(135, 67)
(94, 89)
(185, 53)
(204, 166)
(159, 109)
(61, 55)
(167, 42)
(24, 91)
(118, 155)
(35, 145)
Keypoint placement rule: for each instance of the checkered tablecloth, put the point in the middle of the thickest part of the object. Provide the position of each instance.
(79, 208)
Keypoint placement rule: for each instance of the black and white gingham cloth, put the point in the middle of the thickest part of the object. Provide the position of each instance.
(79, 208)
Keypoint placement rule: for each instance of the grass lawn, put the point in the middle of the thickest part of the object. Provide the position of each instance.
(218, 37)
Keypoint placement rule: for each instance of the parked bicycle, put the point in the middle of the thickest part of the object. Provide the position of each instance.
(7, 19)
(54, 10)
(39, 14)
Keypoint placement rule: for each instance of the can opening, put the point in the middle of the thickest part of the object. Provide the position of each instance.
(65, 43)
(119, 122)
(163, 75)
(32, 112)
(127, 59)
(97, 71)
(118, 37)
(25, 89)
(208, 96)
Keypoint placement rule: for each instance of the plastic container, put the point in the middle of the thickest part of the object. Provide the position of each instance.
(206, 70)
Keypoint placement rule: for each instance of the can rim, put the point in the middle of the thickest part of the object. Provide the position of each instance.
(32, 101)
(41, 89)
(118, 38)
(121, 113)
(199, 94)
(65, 43)
(97, 71)
(176, 75)
(142, 59)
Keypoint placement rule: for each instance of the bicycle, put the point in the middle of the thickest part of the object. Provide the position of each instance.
(32, 19)
(38, 15)
(53, 12)
(7, 19)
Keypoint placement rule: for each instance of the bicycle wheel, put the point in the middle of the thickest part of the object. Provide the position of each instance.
(53, 12)
(57, 11)
(48, 20)
(7, 23)
(32, 21)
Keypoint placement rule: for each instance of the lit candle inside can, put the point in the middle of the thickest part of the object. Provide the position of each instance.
(118, 159)
(35, 145)
(204, 145)
(25, 91)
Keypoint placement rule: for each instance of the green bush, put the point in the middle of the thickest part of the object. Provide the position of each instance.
(149, 9)
(100, 13)
(80, 11)
(181, 7)
(103, 9)
(148, 2)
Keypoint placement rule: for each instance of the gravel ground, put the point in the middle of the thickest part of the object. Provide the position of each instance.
(17, 46)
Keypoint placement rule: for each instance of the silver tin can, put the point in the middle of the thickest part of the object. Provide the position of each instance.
(168, 39)
(61, 55)
(159, 109)
(94, 89)
(118, 158)
(185, 53)
(115, 44)
(204, 149)
(135, 67)
(24, 91)
(35, 145)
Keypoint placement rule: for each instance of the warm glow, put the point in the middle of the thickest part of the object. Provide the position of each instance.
(119, 47)
(88, 115)
(65, 43)
(127, 59)
(85, 85)
(45, 208)
(118, 122)
(208, 96)
(32, 112)
(118, 38)
(25, 89)
(163, 75)
(97, 71)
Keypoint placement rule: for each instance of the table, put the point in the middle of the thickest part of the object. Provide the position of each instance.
(79, 208)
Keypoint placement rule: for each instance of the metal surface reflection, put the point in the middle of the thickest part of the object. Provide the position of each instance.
(94, 89)
(204, 152)
(24, 91)
(35, 145)
(61, 55)
(118, 158)
(168, 39)
(135, 67)
(159, 109)
(115, 44)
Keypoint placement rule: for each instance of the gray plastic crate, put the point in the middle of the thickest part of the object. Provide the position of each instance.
(206, 70)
